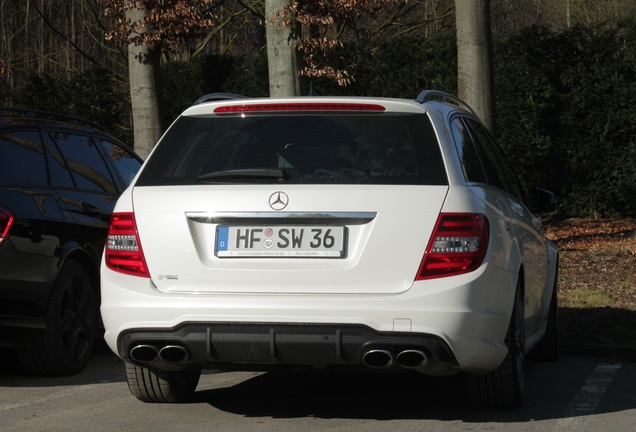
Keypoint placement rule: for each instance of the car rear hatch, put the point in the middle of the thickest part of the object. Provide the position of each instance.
(335, 239)
(307, 195)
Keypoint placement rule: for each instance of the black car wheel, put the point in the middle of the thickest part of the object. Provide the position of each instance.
(65, 346)
(504, 387)
(154, 385)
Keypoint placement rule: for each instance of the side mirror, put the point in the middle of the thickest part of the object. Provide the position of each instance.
(542, 201)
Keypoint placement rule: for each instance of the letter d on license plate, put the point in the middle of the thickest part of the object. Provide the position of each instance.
(280, 241)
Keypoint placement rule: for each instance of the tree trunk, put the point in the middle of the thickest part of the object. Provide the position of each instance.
(281, 52)
(475, 80)
(143, 72)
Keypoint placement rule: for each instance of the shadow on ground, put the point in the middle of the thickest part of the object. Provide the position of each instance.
(599, 331)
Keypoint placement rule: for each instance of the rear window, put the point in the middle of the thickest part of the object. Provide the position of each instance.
(385, 148)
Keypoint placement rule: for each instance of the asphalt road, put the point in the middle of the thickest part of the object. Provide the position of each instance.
(574, 394)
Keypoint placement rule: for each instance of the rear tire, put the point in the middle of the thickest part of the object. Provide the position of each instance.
(66, 344)
(504, 387)
(154, 385)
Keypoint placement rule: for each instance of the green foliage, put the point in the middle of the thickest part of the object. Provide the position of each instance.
(529, 103)
(403, 66)
(185, 82)
(566, 114)
(44, 92)
(246, 75)
(398, 67)
(182, 84)
(102, 97)
(96, 95)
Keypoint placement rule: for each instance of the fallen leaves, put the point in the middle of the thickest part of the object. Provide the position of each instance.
(597, 262)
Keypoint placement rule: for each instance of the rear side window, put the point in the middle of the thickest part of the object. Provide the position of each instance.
(83, 159)
(468, 156)
(383, 148)
(500, 173)
(124, 161)
(22, 159)
(494, 171)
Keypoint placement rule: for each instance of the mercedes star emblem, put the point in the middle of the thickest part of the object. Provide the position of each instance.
(278, 200)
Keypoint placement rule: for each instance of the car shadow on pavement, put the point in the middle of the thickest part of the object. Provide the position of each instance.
(103, 367)
(607, 331)
(394, 396)
(333, 395)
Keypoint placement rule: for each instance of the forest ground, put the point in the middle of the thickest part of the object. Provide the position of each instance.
(597, 282)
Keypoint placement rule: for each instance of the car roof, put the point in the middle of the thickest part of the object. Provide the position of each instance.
(36, 118)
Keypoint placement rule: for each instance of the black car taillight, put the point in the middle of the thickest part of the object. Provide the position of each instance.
(458, 245)
(6, 220)
(123, 251)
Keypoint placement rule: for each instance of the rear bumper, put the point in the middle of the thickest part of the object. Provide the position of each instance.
(458, 323)
(266, 345)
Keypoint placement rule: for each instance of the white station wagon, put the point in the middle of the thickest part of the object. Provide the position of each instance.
(329, 232)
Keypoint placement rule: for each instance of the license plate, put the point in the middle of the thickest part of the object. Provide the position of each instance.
(280, 241)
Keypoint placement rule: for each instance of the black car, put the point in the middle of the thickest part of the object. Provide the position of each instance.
(59, 180)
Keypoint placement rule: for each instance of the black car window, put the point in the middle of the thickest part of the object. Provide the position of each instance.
(85, 162)
(496, 174)
(299, 148)
(468, 156)
(506, 170)
(124, 161)
(59, 174)
(22, 161)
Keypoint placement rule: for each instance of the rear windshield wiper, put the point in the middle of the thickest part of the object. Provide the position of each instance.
(244, 174)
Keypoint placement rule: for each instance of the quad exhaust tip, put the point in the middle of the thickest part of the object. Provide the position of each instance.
(145, 354)
(379, 358)
(174, 354)
(412, 359)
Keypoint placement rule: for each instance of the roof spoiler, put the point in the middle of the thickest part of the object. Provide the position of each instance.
(431, 95)
(212, 97)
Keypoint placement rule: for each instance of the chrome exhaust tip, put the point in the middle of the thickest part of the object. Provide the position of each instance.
(377, 358)
(144, 353)
(412, 359)
(174, 354)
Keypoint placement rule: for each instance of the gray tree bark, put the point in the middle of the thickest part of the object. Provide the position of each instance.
(143, 72)
(281, 52)
(475, 78)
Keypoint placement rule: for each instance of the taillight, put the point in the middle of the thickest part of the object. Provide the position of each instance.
(123, 250)
(6, 219)
(458, 245)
